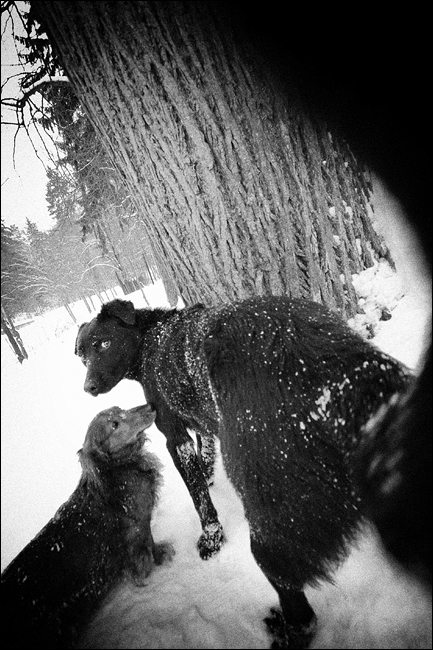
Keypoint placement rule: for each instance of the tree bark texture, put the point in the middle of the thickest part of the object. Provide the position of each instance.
(241, 192)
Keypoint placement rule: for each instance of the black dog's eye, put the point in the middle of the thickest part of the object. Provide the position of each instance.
(114, 425)
(102, 345)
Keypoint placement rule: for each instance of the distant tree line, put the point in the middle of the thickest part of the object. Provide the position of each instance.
(45, 270)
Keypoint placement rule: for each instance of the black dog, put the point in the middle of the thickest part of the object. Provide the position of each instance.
(99, 536)
(287, 386)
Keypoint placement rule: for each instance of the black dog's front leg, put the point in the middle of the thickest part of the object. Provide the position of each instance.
(182, 450)
(206, 454)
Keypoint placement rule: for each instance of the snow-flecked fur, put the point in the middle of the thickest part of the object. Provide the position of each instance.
(100, 536)
(287, 386)
(294, 386)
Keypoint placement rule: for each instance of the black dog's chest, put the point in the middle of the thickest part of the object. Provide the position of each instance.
(174, 367)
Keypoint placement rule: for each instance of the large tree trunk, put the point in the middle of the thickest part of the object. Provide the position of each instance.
(241, 192)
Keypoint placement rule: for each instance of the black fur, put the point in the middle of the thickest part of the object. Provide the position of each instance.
(287, 386)
(98, 537)
(294, 386)
(394, 475)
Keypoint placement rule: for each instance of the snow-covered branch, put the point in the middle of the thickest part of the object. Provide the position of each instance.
(35, 87)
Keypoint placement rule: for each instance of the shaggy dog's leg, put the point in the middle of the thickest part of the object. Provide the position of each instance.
(144, 553)
(206, 454)
(182, 450)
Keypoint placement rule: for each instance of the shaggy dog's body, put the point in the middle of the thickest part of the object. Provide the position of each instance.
(99, 536)
(287, 387)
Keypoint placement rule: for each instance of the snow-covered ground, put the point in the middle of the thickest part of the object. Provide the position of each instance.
(189, 603)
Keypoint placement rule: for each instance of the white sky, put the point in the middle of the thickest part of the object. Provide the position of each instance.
(23, 178)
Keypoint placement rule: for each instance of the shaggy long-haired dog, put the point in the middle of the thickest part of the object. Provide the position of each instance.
(100, 536)
(287, 386)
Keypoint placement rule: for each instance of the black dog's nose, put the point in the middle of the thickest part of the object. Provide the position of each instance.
(91, 387)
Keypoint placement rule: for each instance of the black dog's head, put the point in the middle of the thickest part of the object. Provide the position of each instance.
(109, 346)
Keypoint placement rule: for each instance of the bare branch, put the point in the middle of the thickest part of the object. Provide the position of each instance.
(96, 266)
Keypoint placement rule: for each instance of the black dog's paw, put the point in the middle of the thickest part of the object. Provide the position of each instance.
(287, 635)
(210, 541)
(275, 622)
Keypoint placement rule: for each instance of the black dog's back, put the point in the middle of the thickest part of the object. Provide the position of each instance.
(99, 536)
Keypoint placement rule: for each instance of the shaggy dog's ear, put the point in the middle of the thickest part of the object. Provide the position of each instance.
(123, 309)
(78, 334)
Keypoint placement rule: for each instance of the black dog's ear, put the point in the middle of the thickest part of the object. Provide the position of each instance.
(78, 334)
(123, 309)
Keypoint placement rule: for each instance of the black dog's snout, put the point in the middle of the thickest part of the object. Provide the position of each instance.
(91, 387)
